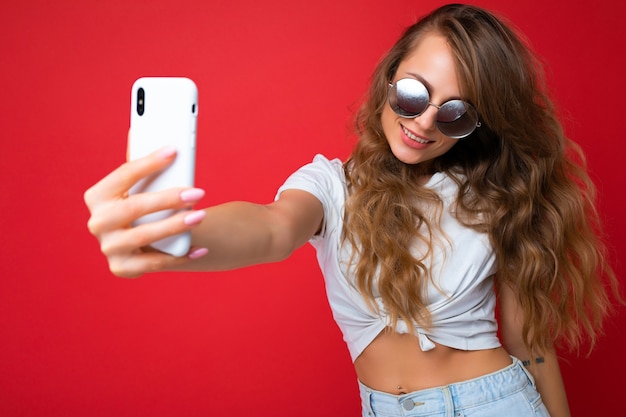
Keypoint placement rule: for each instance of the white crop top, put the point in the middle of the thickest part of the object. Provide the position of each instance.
(463, 305)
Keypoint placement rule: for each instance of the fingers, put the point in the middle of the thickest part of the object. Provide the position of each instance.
(121, 212)
(118, 182)
(128, 261)
(130, 256)
(128, 240)
(125, 266)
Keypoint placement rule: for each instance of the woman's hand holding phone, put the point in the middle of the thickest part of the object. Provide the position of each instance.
(113, 212)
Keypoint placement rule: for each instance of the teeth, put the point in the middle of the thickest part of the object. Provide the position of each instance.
(412, 136)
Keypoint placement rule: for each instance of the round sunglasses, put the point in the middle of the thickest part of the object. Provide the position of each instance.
(409, 98)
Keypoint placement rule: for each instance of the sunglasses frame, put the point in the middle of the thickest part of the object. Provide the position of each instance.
(470, 110)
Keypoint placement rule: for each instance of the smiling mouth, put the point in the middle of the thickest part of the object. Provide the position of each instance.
(412, 136)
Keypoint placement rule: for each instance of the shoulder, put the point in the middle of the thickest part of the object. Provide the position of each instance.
(322, 166)
(323, 177)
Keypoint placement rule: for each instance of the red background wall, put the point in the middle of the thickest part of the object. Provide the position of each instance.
(278, 81)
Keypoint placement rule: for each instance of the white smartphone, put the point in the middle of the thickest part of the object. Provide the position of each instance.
(164, 111)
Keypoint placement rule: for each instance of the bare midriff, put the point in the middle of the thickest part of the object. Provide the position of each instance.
(394, 363)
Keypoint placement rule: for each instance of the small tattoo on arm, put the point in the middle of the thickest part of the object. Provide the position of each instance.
(537, 360)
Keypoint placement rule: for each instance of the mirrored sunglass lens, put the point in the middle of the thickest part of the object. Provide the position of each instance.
(456, 119)
(408, 97)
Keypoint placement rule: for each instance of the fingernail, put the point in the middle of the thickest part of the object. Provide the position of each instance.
(194, 217)
(192, 195)
(197, 253)
(167, 152)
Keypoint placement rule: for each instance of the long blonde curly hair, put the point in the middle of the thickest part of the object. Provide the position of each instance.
(521, 180)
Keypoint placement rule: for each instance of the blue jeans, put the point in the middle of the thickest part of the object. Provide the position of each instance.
(509, 392)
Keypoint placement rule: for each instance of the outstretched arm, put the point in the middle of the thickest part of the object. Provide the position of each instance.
(239, 234)
(544, 366)
(227, 236)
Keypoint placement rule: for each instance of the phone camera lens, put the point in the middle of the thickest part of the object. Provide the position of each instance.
(141, 97)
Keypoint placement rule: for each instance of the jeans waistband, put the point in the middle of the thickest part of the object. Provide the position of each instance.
(468, 393)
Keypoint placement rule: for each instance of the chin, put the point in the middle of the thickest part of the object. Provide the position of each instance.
(406, 156)
(408, 159)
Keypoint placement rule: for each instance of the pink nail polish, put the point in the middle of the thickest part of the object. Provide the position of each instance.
(194, 217)
(192, 195)
(198, 253)
(167, 152)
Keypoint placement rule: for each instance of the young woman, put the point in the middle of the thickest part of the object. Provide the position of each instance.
(462, 188)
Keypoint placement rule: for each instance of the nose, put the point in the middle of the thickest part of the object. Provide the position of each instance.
(428, 119)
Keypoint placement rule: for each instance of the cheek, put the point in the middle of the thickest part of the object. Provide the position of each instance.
(388, 121)
(447, 143)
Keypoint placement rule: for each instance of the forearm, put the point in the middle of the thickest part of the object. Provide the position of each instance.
(238, 234)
